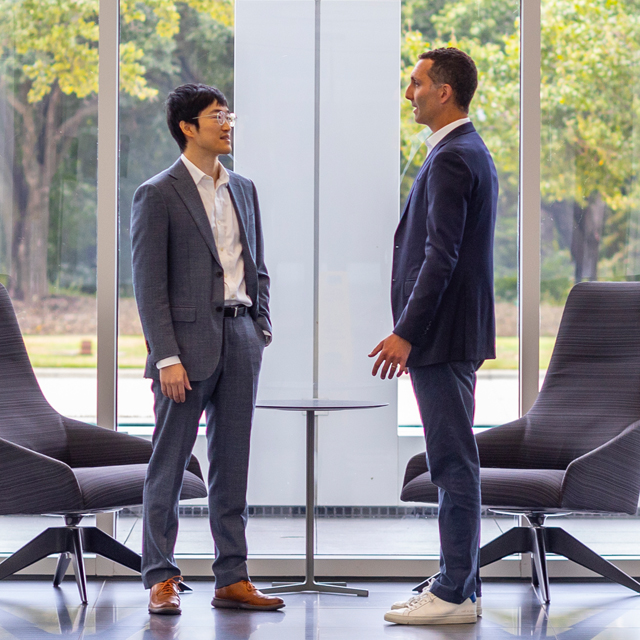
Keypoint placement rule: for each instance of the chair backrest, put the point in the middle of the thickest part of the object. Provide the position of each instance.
(26, 418)
(592, 388)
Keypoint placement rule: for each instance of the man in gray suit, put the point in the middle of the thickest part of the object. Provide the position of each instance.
(202, 290)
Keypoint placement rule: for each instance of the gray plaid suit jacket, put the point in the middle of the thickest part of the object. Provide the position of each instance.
(178, 279)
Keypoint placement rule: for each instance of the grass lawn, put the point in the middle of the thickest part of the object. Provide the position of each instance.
(64, 351)
(507, 353)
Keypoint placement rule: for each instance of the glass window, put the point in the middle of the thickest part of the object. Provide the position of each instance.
(361, 454)
(589, 174)
(163, 46)
(48, 154)
(490, 33)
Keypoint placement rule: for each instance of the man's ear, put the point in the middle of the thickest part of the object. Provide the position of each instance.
(187, 128)
(446, 94)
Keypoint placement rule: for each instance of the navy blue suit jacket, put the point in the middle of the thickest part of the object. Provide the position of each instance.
(442, 281)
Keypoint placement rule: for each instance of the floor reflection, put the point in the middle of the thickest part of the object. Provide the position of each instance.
(117, 611)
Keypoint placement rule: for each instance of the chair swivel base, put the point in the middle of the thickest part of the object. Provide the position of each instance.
(539, 540)
(70, 542)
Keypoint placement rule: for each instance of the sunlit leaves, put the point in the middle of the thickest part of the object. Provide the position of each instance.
(590, 90)
(220, 10)
(50, 41)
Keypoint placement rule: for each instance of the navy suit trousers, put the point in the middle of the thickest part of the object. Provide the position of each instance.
(445, 395)
(228, 399)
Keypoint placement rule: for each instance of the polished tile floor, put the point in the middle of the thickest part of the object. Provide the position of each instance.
(34, 610)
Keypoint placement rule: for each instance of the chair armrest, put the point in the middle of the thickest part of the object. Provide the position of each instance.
(32, 483)
(500, 446)
(606, 478)
(416, 466)
(93, 446)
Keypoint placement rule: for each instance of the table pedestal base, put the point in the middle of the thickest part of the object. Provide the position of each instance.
(309, 583)
(316, 587)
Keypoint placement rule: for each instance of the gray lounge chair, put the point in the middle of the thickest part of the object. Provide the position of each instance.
(578, 449)
(50, 464)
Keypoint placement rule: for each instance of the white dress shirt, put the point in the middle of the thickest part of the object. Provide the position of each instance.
(226, 233)
(436, 137)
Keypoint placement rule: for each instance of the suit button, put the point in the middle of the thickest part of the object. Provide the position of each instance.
(397, 246)
(220, 274)
(393, 280)
(219, 309)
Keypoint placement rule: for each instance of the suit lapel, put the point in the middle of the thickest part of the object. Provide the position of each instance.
(238, 200)
(426, 163)
(467, 127)
(188, 192)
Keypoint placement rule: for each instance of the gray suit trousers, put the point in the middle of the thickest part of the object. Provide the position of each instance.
(228, 399)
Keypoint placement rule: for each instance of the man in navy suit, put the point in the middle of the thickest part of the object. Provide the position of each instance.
(444, 325)
(202, 289)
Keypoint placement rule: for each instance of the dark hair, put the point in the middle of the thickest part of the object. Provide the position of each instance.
(185, 103)
(455, 68)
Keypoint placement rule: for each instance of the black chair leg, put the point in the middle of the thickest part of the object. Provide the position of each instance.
(51, 541)
(96, 541)
(70, 542)
(534, 576)
(78, 563)
(61, 569)
(515, 540)
(564, 544)
(540, 540)
(540, 561)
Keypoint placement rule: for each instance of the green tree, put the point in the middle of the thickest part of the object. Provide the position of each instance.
(492, 30)
(202, 51)
(589, 94)
(49, 78)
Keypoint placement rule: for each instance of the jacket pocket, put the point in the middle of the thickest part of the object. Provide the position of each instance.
(183, 314)
(408, 287)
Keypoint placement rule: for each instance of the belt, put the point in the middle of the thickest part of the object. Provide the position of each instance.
(234, 312)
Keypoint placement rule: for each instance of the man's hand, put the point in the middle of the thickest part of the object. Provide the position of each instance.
(394, 352)
(174, 381)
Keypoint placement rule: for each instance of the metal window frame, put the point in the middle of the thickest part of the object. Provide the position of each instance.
(107, 241)
(107, 250)
(529, 205)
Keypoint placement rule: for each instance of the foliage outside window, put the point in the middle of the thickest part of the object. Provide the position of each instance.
(590, 104)
(49, 80)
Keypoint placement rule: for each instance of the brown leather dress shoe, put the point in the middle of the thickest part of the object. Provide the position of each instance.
(244, 595)
(164, 597)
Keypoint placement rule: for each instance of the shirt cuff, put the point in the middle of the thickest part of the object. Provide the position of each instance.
(267, 337)
(167, 362)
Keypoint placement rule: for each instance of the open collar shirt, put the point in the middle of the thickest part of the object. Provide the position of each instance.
(226, 230)
(440, 134)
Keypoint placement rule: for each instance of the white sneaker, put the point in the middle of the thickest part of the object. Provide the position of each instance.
(403, 604)
(427, 608)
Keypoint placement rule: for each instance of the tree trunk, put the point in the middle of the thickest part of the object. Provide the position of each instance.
(41, 142)
(587, 234)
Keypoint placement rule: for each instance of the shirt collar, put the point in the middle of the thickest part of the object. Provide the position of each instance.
(197, 174)
(436, 137)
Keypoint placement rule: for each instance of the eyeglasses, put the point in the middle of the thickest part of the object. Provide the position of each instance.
(222, 117)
